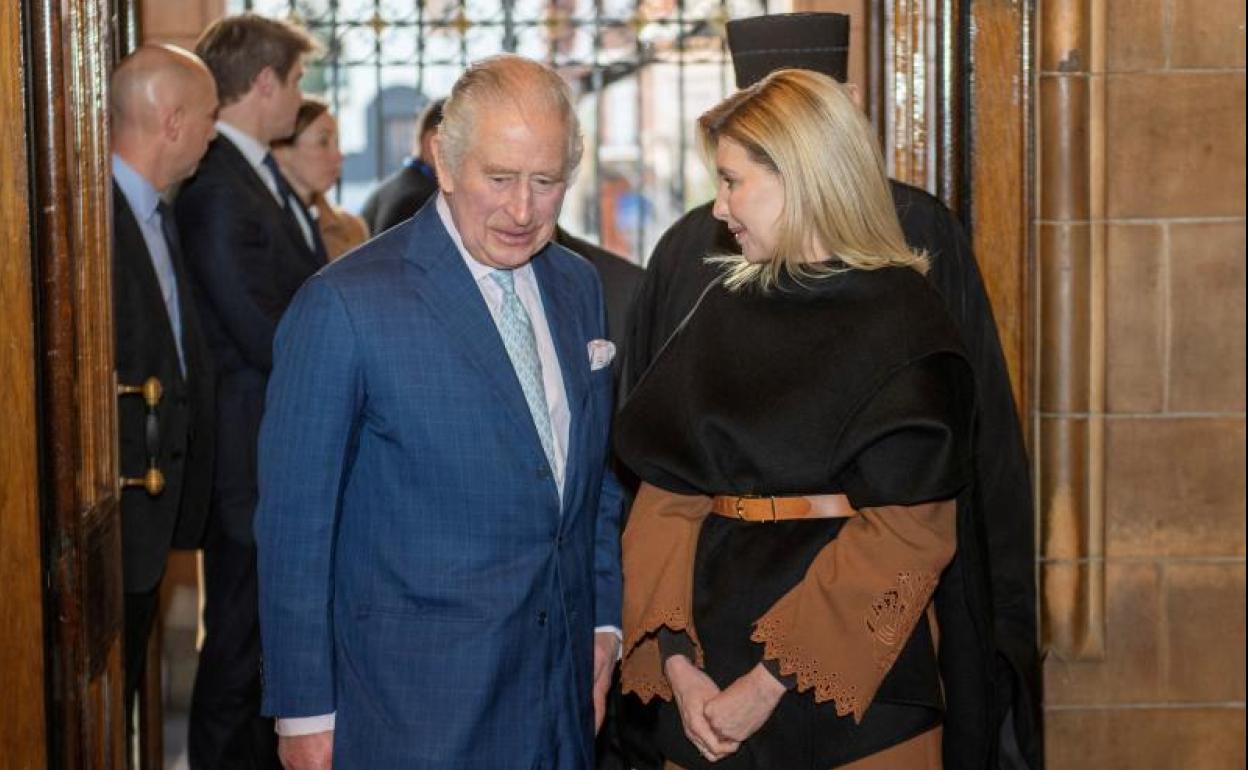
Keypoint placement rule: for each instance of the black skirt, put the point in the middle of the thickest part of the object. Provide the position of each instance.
(740, 571)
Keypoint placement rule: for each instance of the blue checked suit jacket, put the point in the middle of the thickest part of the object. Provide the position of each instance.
(417, 575)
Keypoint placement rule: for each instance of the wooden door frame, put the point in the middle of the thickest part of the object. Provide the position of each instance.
(953, 103)
(69, 57)
(23, 730)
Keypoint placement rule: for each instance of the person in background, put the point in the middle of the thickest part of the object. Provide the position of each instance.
(1001, 532)
(250, 244)
(401, 194)
(163, 104)
(311, 161)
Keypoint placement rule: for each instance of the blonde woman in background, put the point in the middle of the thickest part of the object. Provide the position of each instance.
(803, 442)
(311, 161)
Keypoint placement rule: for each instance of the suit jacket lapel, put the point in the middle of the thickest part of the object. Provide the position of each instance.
(560, 302)
(134, 250)
(456, 300)
(260, 190)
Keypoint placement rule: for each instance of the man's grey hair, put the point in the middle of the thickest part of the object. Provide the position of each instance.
(530, 86)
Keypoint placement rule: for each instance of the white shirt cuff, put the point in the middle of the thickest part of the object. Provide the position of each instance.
(618, 635)
(305, 725)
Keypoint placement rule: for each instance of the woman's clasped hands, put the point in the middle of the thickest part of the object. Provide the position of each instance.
(717, 721)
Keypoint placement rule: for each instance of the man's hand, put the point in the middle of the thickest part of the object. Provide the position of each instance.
(693, 689)
(745, 705)
(606, 652)
(314, 751)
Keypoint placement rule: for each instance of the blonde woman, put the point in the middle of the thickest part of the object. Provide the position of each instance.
(803, 442)
(311, 161)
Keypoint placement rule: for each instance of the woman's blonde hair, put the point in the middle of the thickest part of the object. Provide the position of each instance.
(805, 128)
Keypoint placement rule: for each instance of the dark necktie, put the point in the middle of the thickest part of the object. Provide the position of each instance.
(291, 201)
(174, 303)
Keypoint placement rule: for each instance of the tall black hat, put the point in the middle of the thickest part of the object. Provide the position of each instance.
(811, 41)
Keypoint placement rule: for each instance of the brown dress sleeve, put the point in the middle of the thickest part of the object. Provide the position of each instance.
(841, 628)
(658, 549)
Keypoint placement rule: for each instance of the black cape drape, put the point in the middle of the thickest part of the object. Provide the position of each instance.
(1000, 543)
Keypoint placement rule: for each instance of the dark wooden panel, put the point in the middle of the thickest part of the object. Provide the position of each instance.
(1000, 172)
(70, 56)
(23, 740)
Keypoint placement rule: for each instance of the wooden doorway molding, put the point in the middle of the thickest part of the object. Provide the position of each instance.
(950, 89)
(68, 61)
(23, 730)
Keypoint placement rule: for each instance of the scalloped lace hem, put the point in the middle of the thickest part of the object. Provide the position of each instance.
(796, 661)
(645, 678)
(674, 619)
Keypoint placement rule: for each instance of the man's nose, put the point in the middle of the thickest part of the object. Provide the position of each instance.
(520, 204)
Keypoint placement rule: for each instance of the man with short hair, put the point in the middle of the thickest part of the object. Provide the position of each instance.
(162, 104)
(993, 575)
(401, 194)
(250, 245)
(438, 531)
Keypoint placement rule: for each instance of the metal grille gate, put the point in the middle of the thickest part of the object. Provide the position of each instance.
(641, 71)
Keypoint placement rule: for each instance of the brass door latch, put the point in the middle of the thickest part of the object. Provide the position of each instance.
(153, 481)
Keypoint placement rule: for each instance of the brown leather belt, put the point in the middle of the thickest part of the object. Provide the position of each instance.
(768, 509)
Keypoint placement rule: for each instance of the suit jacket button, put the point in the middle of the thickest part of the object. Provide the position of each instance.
(541, 618)
(543, 472)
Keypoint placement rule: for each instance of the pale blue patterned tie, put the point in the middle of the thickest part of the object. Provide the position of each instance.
(517, 333)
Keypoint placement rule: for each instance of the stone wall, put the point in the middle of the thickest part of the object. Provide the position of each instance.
(1164, 685)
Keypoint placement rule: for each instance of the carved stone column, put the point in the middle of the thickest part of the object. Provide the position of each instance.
(1071, 289)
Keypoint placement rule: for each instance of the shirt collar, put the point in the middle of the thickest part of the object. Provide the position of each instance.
(252, 149)
(140, 194)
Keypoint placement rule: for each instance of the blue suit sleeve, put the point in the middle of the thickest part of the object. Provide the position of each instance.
(312, 412)
(608, 579)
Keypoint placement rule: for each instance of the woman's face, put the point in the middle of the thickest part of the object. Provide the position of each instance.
(313, 162)
(749, 200)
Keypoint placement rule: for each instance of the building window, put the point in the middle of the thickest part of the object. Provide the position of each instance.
(641, 71)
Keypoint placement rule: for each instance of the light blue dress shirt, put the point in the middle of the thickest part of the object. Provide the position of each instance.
(144, 199)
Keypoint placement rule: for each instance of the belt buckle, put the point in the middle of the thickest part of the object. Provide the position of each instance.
(741, 510)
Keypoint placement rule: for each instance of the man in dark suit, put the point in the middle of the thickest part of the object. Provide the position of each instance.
(401, 194)
(162, 105)
(438, 531)
(250, 245)
(998, 548)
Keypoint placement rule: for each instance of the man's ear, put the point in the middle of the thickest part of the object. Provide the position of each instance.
(172, 122)
(266, 81)
(445, 182)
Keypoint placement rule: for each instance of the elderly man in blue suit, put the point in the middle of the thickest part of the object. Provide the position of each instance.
(437, 527)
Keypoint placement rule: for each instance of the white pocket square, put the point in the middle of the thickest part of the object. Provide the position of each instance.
(601, 353)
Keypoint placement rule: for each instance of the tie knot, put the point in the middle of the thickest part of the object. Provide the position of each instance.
(271, 163)
(505, 280)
